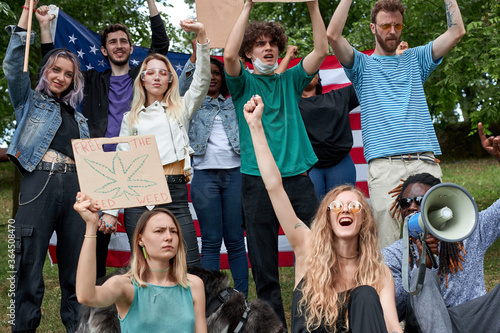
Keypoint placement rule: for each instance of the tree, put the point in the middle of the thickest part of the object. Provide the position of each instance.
(466, 79)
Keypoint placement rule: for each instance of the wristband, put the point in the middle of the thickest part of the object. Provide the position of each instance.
(34, 10)
(90, 236)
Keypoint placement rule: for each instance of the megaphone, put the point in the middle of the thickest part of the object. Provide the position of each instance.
(447, 211)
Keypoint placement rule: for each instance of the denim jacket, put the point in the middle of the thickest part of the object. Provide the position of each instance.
(38, 116)
(200, 126)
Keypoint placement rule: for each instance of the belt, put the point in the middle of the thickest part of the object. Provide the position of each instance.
(56, 167)
(409, 157)
(176, 179)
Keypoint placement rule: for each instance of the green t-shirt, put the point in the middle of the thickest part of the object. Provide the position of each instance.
(283, 125)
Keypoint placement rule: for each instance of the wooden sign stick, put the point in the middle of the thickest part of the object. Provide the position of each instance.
(28, 37)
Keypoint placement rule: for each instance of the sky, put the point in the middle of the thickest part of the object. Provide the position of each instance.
(179, 11)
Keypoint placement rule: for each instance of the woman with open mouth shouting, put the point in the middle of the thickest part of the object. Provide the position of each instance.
(341, 281)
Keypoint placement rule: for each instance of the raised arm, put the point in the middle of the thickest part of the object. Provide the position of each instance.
(18, 82)
(194, 96)
(295, 230)
(159, 39)
(44, 18)
(231, 58)
(456, 30)
(153, 11)
(340, 46)
(314, 59)
(86, 290)
(491, 144)
(23, 20)
(291, 53)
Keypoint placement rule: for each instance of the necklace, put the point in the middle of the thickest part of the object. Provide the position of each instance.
(156, 292)
(351, 257)
(159, 270)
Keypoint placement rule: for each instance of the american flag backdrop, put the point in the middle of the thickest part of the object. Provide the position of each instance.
(69, 33)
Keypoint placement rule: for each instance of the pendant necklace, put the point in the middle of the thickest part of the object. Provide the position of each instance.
(156, 293)
(153, 286)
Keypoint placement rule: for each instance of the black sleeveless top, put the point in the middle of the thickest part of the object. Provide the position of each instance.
(299, 321)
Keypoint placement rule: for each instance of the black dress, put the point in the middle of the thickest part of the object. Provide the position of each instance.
(362, 308)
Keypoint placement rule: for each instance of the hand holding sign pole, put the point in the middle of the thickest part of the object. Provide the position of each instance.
(28, 36)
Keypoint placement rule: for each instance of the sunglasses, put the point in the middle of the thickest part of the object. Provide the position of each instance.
(405, 203)
(337, 207)
(157, 71)
(387, 26)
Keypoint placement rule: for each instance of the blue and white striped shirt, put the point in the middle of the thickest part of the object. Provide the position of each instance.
(395, 118)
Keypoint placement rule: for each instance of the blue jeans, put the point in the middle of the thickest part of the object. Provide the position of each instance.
(325, 179)
(179, 207)
(262, 228)
(216, 197)
(36, 220)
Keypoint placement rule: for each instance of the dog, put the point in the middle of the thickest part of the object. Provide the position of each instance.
(227, 311)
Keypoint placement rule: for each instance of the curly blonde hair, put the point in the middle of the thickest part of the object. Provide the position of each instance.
(321, 301)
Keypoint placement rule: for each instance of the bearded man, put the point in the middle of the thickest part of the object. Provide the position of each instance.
(397, 130)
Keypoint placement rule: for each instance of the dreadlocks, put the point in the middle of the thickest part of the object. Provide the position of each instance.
(451, 255)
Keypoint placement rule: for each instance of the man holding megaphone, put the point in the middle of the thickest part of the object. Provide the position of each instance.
(453, 297)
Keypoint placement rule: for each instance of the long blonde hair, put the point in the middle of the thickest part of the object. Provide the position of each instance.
(139, 268)
(171, 97)
(321, 301)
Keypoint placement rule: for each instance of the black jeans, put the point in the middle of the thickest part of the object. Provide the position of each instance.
(180, 208)
(365, 311)
(36, 220)
(262, 228)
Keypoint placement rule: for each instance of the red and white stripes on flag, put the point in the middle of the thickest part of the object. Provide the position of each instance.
(333, 77)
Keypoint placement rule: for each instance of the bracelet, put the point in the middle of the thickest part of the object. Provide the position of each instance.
(34, 10)
(90, 236)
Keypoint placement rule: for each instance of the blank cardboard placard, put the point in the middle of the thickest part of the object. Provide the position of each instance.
(121, 179)
(219, 17)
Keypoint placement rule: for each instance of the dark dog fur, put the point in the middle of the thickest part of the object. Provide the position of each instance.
(261, 318)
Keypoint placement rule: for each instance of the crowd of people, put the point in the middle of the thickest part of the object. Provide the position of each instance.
(264, 148)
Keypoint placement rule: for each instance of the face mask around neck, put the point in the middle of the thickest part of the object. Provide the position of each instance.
(263, 68)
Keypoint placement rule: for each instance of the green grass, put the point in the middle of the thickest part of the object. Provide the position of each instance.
(480, 177)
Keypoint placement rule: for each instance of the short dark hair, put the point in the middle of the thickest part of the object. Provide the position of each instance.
(386, 6)
(114, 28)
(421, 178)
(224, 91)
(257, 29)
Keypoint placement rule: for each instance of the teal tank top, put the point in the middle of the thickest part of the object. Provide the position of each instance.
(160, 309)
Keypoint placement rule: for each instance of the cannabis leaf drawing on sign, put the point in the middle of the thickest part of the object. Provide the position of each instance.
(116, 171)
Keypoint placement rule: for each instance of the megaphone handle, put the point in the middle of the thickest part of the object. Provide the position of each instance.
(431, 256)
(421, 267)
(405, 263)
